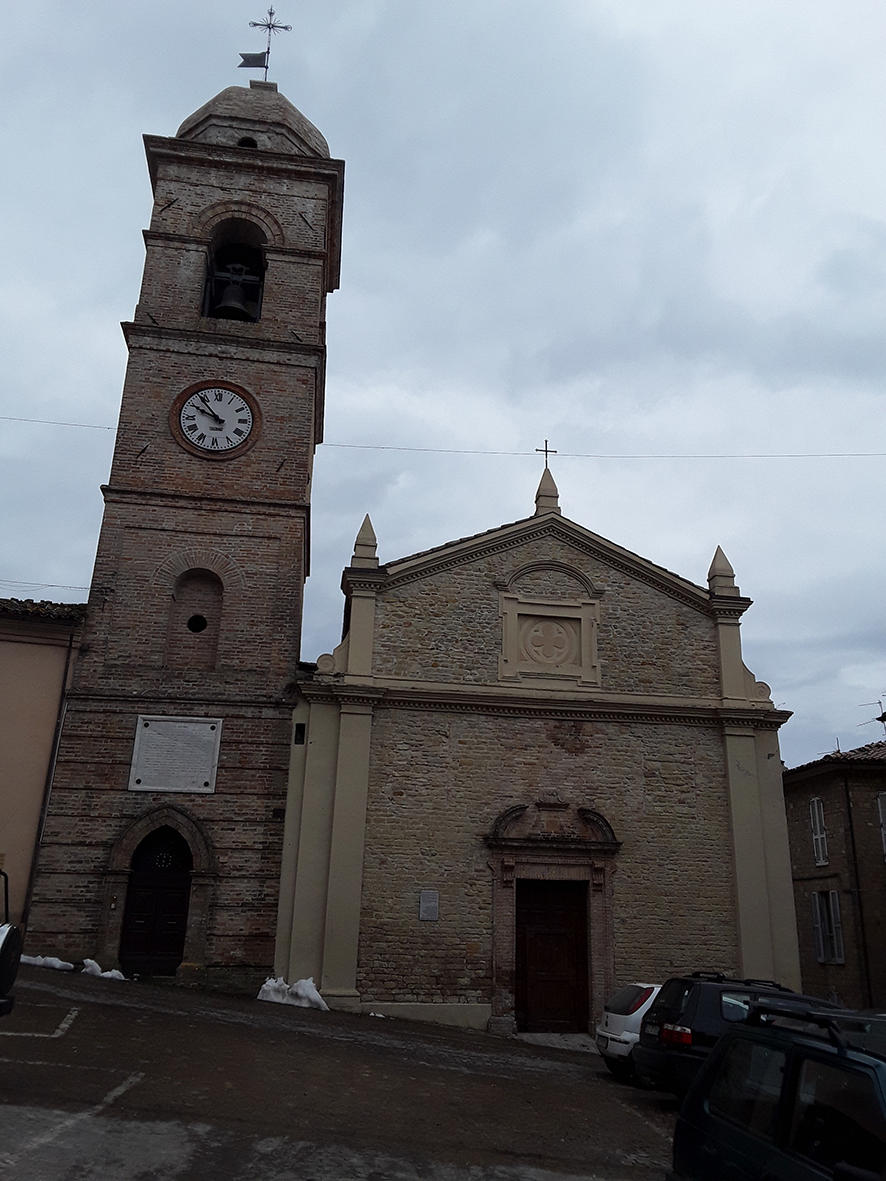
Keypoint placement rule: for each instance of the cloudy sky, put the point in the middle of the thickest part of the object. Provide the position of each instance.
(650, 231)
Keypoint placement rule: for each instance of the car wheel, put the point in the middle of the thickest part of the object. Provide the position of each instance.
(620, 1068)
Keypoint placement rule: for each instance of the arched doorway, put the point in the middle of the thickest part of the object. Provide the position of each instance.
(155, 917)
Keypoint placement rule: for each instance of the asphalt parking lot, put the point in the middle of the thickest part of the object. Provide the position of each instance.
(135, 1082)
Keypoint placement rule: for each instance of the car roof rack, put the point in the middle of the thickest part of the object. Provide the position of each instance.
(844, 1027)
(722, 978)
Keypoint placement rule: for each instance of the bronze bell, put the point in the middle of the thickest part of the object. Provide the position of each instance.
(232, 305)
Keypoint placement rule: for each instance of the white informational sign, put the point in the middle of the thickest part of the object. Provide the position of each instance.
(175, 754)
(429, 906)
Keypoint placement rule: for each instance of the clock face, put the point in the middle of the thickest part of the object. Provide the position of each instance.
(216, 419)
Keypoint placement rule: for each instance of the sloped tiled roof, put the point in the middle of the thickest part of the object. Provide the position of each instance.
(874, 752)
(44, 609)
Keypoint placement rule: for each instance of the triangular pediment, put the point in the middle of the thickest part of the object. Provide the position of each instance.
(569, 533)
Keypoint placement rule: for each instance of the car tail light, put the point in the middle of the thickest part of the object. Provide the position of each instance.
(676, 1035)
(640, 1001)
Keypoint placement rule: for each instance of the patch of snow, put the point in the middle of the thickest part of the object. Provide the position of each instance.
(376, 1014)
(303, 993)
(91, 968)
(47, 961)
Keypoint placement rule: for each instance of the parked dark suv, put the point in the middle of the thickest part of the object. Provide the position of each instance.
(687, 1019)
(791, 1095)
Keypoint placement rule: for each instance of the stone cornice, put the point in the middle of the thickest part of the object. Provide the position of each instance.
(180, 242)
(454, 699)
(357, 578)
(323, 168)
(222, 344)
(237, 699)
(121, 494)
(725, 607)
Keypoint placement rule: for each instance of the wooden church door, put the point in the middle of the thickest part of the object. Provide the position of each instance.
(552, 956)
(155, 918)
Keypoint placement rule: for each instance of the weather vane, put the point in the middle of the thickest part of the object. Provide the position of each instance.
(259, 61)
(546, 451)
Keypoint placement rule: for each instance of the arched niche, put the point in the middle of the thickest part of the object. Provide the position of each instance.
(116, 879)
(195, 620)
(551, 840)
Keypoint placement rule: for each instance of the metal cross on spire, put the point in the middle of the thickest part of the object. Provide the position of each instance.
(260, 61)
(546, 451)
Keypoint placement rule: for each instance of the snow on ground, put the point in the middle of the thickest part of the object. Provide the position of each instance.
(90, 967)
(47, 961)
(303, 993)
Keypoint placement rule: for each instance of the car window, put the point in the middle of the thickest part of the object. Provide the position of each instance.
(838, 1117)
(735, 1006)
(628, 1000)
(674, 995)
(747, 1087)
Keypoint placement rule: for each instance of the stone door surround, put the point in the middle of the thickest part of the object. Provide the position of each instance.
(550, 840)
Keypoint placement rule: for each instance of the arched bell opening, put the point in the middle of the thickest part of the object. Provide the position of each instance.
(155, 915)
(236, 271)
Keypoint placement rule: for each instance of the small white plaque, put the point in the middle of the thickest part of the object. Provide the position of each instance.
(175, 754)
(429, 905)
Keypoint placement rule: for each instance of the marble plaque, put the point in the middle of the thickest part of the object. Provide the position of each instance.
(175, 754)
(429, 905)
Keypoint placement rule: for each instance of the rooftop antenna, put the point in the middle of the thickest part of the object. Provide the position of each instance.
(546, 451)
(881, 717)
(259, 61)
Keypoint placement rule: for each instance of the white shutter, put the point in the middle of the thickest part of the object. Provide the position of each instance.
(819, 836)
(820, 953)
(835, 933)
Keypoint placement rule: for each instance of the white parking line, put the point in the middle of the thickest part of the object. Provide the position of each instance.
(12, 1158)
(64, 1026)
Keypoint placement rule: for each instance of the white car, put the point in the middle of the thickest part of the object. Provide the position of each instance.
(619, 1030)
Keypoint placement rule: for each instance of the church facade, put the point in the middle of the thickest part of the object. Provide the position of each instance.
(536, 766)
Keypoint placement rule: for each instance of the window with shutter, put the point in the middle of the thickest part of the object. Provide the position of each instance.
(827, 927)
(819, 836)
(835, 928)
(820, 953)
(881, 808)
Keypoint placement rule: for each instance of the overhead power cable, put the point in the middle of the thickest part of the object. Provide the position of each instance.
(562, 454)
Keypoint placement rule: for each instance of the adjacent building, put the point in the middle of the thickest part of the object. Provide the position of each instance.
(38, 646)
(836, 809)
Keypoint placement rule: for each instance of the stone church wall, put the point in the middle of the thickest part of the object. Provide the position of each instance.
(439, 779)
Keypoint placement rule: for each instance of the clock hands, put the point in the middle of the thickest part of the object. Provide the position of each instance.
(207, 409)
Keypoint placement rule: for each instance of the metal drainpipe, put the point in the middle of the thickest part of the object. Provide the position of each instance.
(857, 892)
(47, 786)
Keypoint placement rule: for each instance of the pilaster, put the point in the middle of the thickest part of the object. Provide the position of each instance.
(339, 978)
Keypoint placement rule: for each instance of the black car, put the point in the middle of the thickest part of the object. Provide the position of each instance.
(791, 1095)
(687, 1019)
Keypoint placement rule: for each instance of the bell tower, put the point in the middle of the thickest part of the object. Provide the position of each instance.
(179, 717)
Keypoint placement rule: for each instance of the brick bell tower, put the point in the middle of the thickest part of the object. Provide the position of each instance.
(162, 840)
